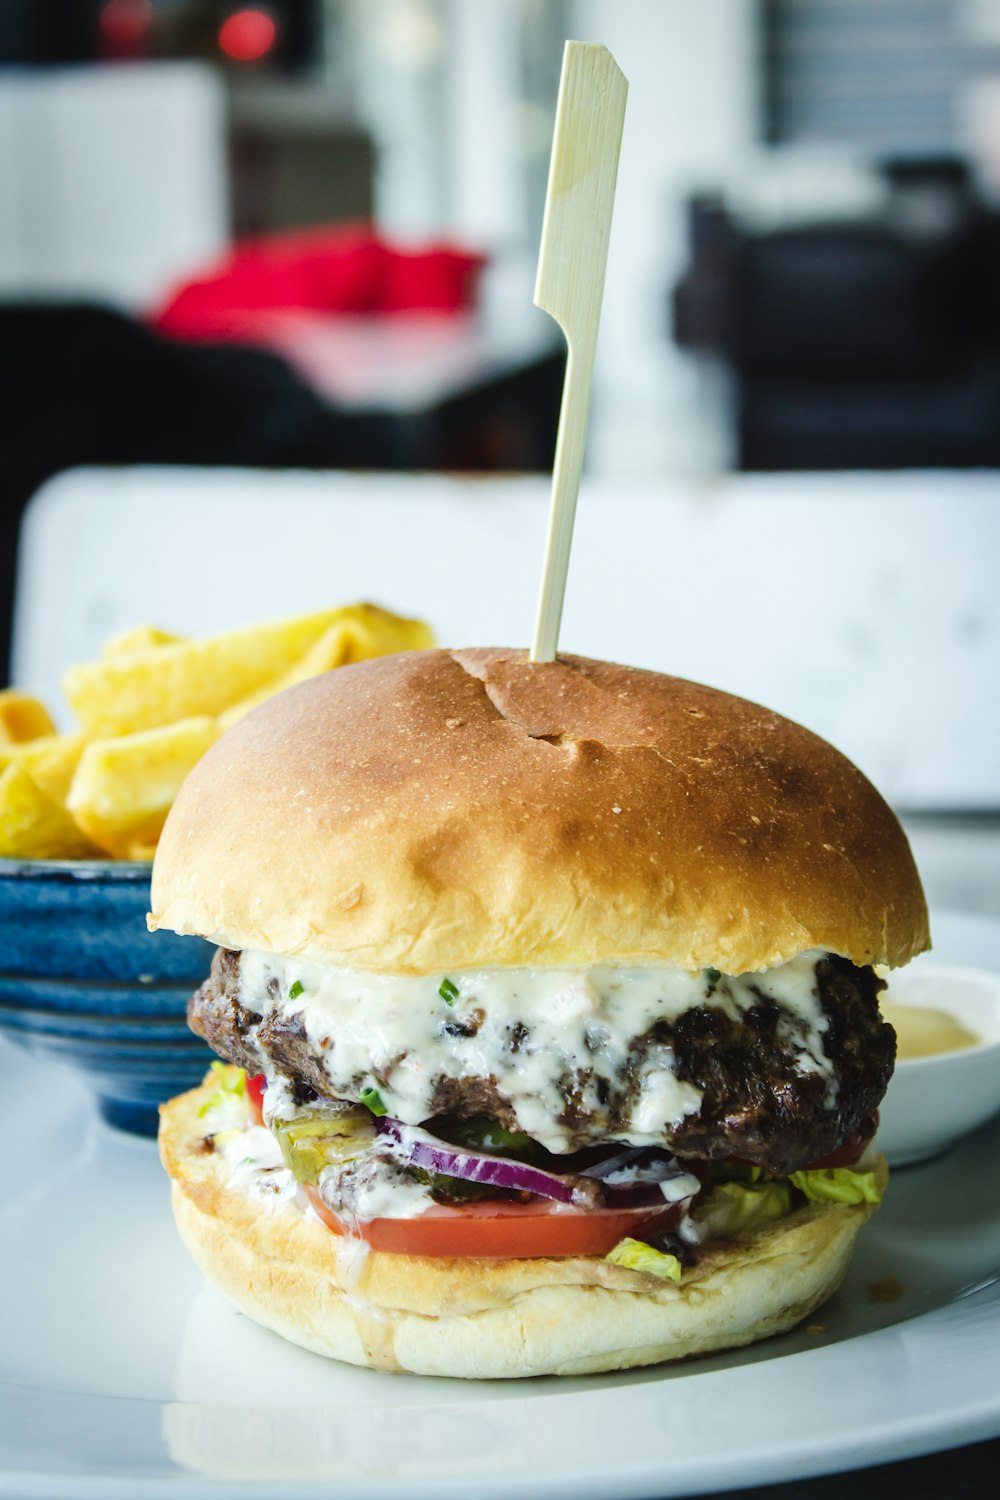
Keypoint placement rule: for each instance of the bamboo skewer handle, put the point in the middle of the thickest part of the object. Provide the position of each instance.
(572, 260)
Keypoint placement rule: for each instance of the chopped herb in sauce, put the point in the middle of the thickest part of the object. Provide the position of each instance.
(372, 1099)
(712, 976)
(448, 992)
(296, 990)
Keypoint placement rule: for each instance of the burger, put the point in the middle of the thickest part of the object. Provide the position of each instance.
(546, 1003)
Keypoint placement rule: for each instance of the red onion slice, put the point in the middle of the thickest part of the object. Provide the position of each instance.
(642, 1189)
(603, 1169)
(425, 1150)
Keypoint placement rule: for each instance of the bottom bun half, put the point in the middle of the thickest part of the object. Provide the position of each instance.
(486, 1319)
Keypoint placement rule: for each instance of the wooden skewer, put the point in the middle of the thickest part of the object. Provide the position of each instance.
(572, 260)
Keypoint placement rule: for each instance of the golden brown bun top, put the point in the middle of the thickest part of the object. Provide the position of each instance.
(444, 810)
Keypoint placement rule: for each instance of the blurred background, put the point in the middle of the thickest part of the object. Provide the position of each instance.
(302, 234)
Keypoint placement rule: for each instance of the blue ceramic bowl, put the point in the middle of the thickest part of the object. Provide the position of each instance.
(83, 983)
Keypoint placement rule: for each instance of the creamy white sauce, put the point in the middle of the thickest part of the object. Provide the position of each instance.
(396, 1034)
(386, 1196)
(793, 987)
(676, 1189)
(352, 1254)
(257, 1167)
(279, 1100)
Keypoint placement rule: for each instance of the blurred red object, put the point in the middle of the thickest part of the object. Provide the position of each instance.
(346, 269)
(248, 35)
(123, 26)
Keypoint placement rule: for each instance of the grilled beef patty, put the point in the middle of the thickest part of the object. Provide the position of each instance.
(757, 1104)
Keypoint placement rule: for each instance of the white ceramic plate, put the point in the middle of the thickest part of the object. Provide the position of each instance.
(121, 1374)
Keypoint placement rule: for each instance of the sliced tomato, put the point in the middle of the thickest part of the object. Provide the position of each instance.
(504, 1230)
(849, 1153)
(255, 1096)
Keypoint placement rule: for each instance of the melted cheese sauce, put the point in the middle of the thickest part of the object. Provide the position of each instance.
(529, 1029)
(923, 1032)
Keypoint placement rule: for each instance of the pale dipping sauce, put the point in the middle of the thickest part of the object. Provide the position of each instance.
(922, 1032)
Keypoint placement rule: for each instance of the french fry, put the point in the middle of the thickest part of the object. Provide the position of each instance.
(375, 631)
(138, 638)
(149, 707)
(22, 718)
(124, 786)
(140, 850)
(361, 632)
(144, 688)
(50, 761)
(32, 826)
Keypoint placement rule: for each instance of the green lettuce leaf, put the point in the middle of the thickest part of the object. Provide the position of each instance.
(734, 1208)
(230, 1083)
(837, 1185)
(636, 1256)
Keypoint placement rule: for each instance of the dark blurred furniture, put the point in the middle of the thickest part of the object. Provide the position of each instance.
(872, 343)
(85, 385)
(294, 158)
(959, 1474)
(85, 31)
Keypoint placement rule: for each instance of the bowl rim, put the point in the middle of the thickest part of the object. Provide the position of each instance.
(959, 1055)
(76, 869)
(955, 1058)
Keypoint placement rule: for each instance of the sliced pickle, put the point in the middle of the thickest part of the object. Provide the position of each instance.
(458, 1190)
(317, 1139)
(488, 1135)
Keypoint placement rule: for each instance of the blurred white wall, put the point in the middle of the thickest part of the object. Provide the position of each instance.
(487, 198)
(979, 21)
(397, 63)
(693, 111)
(113, 180)
(444, 87)
(457, 95)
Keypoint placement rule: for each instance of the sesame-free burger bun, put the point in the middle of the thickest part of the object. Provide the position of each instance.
(443, 810)
(487, 1319)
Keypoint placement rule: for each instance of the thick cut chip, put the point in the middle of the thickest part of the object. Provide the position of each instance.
(144, 688)
(124, 786)
(153, 703)
(138, 638)
(22, 718)
(361, 631)
(148, 679)
(32, 826)
(50, 761)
